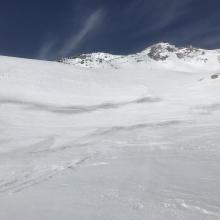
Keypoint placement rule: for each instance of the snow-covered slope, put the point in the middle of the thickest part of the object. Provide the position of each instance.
(132, 137)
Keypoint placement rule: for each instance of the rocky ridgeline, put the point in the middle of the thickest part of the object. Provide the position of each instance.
(92, 60)
(162, 51)
(159, 52)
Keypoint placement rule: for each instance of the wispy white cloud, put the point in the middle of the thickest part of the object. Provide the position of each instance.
(196, 32)
(159, 14)
(52, 49)
(45, 50)
(91, 23)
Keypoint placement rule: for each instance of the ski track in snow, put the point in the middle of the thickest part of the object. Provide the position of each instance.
(76, 109)
(43, 148)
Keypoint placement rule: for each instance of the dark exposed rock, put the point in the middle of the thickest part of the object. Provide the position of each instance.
(155, 53)
(190, 52)
(215, 76)
(180, 55)
(171, 49)
(138, 60)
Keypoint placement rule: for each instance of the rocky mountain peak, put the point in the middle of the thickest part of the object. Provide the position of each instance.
(160, 52)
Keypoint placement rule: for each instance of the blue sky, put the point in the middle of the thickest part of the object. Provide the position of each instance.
(49, 29)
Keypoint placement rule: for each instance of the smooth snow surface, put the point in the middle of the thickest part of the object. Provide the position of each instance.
(140, 141)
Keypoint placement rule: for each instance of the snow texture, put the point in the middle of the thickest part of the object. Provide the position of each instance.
(104, 137)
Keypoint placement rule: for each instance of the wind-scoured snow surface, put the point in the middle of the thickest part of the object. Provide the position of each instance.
(104, 137)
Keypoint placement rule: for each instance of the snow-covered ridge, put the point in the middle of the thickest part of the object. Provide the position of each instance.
(162, 53)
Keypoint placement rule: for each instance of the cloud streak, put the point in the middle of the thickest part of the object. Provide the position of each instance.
(91, 23)
(51, 50)
(158, 14)
(45, 50)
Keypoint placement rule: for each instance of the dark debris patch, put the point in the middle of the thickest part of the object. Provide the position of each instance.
(215, 76)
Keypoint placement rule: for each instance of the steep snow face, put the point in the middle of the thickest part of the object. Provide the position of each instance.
(162, 54)
(133, 137)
